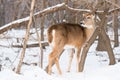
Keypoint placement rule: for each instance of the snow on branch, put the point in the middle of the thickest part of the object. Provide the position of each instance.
(46, 11)
(113, 10)
(50, 10)
(19, 45)
(13, 24)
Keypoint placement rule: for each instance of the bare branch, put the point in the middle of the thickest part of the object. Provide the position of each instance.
(113, 10)
(52, 9)
(26, 37)
(113, 3)
(29, 45)
(46, 11)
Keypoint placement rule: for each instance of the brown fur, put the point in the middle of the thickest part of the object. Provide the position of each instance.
(67, 34)
(65, 30)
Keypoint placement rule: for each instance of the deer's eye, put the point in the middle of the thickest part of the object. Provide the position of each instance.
(88, 17)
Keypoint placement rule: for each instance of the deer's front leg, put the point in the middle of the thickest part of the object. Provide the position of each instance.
(70, 60)
(78, 58)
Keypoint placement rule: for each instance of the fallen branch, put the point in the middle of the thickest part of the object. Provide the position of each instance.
(30, 45)
(13, 24)
(4, 46)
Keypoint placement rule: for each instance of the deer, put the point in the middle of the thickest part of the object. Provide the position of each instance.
(69, 35)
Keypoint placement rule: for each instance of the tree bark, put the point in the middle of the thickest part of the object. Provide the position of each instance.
(98, 31)
(26, 37)
(41, 49)
(2, 15)
(108, 47)
(86, 48)
(115, 27)
(41, 37)
(62, 6)
(42, 21)
(28, 45)
(100, 45)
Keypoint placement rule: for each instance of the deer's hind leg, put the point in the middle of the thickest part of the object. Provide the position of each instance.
(78, 57)
(59, 42)
(53, 57)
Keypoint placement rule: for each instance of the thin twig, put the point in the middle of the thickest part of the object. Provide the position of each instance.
(26, 38)
(113, 3)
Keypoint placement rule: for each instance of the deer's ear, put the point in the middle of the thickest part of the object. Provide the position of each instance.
(85, 14)
(93, 16)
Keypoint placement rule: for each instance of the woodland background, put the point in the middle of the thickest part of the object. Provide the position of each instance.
(12, 10)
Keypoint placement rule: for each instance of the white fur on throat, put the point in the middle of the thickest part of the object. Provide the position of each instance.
(87, 26)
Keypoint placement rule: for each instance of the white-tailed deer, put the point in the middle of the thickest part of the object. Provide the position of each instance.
(67, 34)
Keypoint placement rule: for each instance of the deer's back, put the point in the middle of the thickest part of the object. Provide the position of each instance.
(67, 33)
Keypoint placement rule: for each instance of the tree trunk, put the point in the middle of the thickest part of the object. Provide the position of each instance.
(108, 47)
(98, 31)
(26, 38)
(2, 14)
(86, 48)
(40, 62)
(101, 45)
(115, 27)
(41, 37)
(42, 21)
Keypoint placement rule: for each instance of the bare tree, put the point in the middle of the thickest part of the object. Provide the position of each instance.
(115, 26)
(2, 11)
(26, 37)
(100, 31)
(63, 7)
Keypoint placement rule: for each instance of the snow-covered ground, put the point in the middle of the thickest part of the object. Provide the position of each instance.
(96, 66)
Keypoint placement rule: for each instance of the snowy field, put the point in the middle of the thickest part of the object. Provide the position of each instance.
(96, 66)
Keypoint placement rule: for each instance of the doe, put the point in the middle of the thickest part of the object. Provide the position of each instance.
(70, 35)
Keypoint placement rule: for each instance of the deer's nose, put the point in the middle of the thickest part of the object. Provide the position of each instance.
(81, 23)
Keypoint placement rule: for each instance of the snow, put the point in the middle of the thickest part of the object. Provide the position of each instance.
(43, 11)
(36, 73)
(27, 18)
(50, 8)
(96, 66)
(14, 22)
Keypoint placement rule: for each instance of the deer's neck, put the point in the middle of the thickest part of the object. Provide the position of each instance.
(89, 32)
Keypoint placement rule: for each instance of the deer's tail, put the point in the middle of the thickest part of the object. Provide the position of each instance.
(49, 33)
